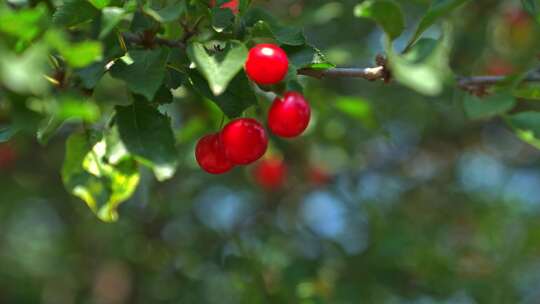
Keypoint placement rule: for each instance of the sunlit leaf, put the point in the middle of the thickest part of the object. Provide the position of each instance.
(219, 66)
(103, 186)
(147, 134)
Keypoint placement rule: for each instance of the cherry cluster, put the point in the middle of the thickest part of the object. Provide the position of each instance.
(244, 140)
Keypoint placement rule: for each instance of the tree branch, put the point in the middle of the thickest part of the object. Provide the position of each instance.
(491, 80)
(378, 72)
(374, 73)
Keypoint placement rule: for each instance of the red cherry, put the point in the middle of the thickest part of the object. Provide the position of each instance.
(233, 5)
(267, 64)
(289, 117)
(244, 140)
(211, 156)
(270, 173)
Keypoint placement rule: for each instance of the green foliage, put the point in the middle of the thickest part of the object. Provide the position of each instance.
(410, 191)
(438, 9)
(425, 67)
(220, 66)
(143, 71)
(497, 104)
(147, 135)
(387, 13)
(101, 178)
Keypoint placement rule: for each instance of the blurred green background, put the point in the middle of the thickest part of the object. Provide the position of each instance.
(390, 197)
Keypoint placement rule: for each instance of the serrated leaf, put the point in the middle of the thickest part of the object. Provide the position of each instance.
(234, 101)
(437, 10)
(102, 186)
(479, 108)
(91, 74)
(74, 12)
(147, 134)
(282, 35)
(145, 74)
(307, 56)
(386, 13)
(111, 16)
(219, 67)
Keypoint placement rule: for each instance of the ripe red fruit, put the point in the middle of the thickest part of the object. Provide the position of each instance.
(211, 156)
(289, 117)
(244, 140)
(267, 64)
(270, 173)
(233, 5)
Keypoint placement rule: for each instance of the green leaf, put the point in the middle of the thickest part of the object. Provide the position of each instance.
(111, 16)
(100, 4)
(527, 91)
(102, 186)
(76, 54)
(25, 24)
(219, 67)
(143, 71)
(307, 56)
(74, 12)
(282, 35)
(425, 67)
(221, 18)
(355, 107)
(479, 108)
(91, 74)
(24, 73)
(386, 13)
(234, 101)
(437, 10)
(525, 121)
(61, 109)
(165, 11)
(147, 134)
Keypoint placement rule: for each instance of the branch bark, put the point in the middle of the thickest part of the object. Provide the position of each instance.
(374, 73)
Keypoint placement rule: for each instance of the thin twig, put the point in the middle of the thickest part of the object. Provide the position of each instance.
(374, 73)
(491, 80)
(378, 72)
